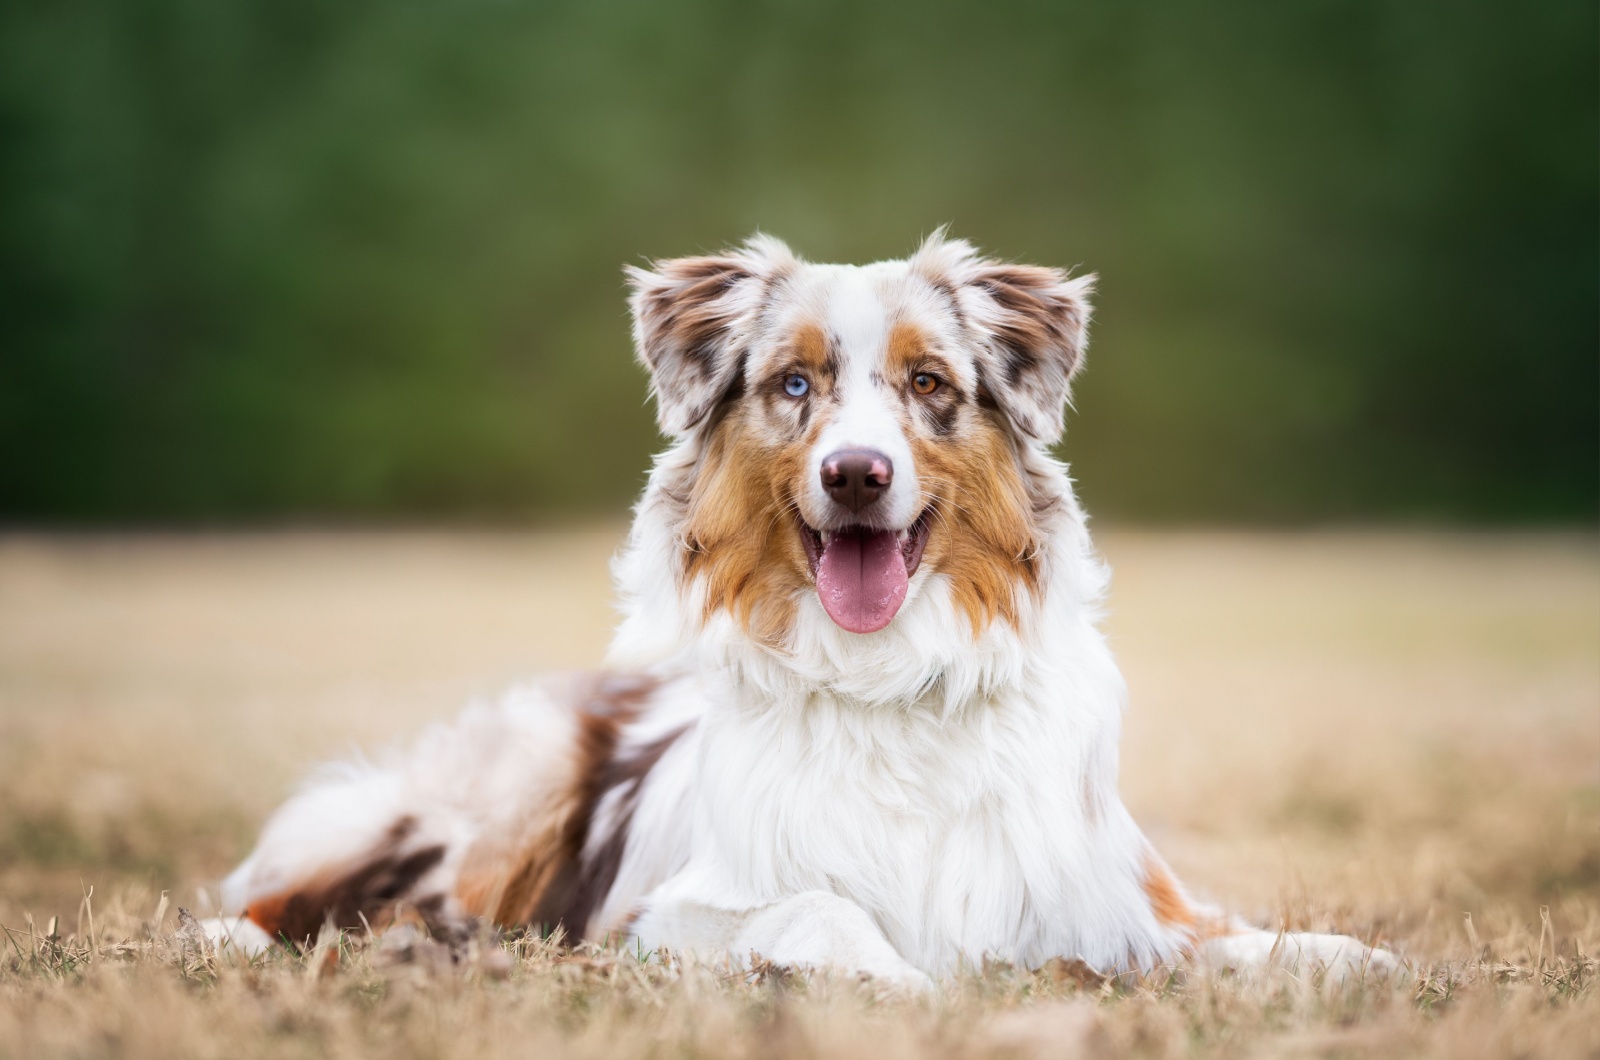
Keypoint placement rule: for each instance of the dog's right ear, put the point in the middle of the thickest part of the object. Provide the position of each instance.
(691, 318)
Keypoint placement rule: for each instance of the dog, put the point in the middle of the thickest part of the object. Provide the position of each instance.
(858, 714)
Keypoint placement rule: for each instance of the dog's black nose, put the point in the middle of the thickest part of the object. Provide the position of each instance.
(856, 477)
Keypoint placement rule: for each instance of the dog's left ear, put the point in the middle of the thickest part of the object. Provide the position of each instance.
(1033, 326)
(691, 318)
(1037, 321)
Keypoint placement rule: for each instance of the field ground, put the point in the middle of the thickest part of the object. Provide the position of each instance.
(1391, 735)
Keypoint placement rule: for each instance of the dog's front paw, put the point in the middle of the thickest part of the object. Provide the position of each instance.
(237, 934)
(1339, 957)
(904, 983)
(884, 980)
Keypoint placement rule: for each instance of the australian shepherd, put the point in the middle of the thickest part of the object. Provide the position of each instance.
(858, 713)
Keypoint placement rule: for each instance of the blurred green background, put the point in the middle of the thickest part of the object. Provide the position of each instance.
(284, 259)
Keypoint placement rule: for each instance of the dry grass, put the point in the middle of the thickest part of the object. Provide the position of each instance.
(1374, 734)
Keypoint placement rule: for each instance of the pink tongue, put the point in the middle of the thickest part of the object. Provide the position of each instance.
(861, 579)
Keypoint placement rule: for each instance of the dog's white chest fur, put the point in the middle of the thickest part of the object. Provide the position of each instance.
(991, 830)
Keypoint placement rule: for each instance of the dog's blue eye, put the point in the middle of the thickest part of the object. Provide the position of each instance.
(796, 386)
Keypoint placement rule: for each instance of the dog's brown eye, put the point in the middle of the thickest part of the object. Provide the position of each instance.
(924, 384)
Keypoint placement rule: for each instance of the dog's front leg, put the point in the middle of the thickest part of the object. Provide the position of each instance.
(810, 930)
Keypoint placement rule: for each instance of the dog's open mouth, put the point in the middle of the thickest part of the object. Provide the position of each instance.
(862, 573)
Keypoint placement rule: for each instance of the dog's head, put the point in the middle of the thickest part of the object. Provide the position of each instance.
(855, 431)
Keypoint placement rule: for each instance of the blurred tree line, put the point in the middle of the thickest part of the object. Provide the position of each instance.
(287, 258)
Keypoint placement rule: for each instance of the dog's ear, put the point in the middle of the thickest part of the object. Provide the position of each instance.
(1032, 324)
(1037, 324)
(691, 319)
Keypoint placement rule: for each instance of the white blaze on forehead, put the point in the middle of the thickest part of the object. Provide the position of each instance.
(857, 316)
